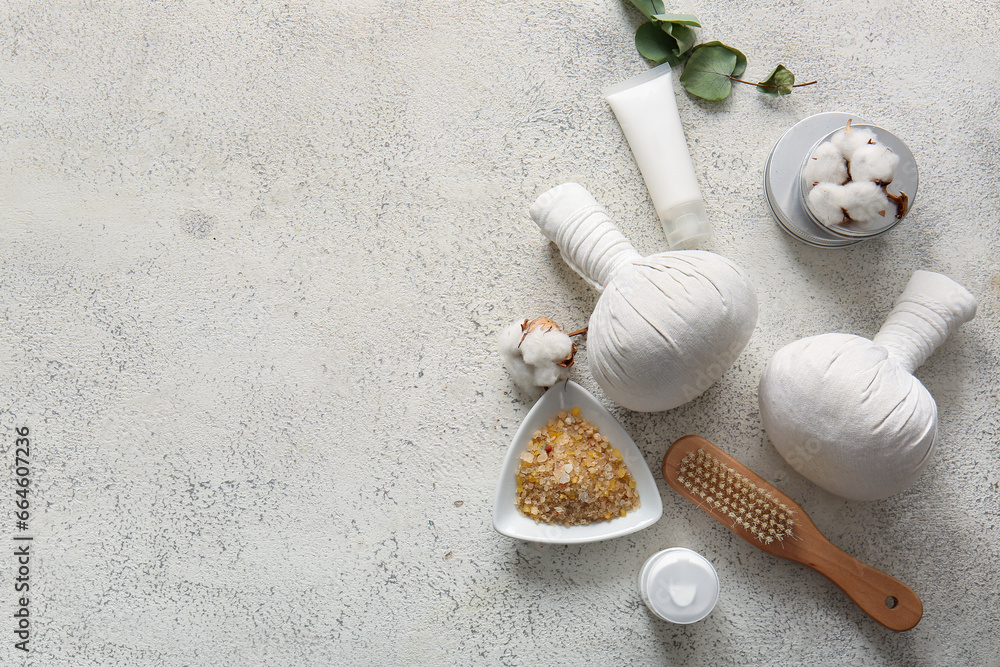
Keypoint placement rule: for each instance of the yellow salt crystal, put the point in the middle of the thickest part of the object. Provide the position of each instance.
(575, 411)
(616, 453)
(623, 513)
(621, 472)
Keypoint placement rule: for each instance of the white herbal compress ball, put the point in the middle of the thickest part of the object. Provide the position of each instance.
(847, 412)
(667, 326)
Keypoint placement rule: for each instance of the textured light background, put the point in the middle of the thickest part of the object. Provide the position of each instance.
(253, 260)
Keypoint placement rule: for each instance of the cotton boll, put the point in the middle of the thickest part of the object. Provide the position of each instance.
(535, 353)
(850, 139)
(863, 197)
(541, 346)
(826, 165)
(865, 201)
(826, 201)
(522, 374)
(874, 162)
(545, 350)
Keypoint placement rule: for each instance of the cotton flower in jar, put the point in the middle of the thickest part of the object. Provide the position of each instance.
(850, 181)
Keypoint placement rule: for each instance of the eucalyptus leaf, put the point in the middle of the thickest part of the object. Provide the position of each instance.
(710, 69)
(779, 83)
(656, 44)
(683, 19)
(683, 34)
(648, 7)
(741, 60)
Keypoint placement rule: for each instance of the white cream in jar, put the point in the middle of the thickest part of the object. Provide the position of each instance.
(679, 585)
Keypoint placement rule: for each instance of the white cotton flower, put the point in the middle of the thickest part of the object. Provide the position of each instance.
(865, 201)
(861, 195)
(850, 139)
(874, 162)
(826, 201)
(522, 374)
(825, 165)
(536, 353)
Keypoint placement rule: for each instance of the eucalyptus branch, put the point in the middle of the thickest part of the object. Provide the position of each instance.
(710, 68)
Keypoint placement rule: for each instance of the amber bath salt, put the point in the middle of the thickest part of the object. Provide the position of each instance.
(570, 475)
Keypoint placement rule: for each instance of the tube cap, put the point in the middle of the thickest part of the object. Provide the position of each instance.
(685, 225)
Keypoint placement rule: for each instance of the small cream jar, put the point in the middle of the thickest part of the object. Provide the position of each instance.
(679, 585)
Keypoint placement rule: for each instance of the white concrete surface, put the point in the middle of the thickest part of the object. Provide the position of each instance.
(253, 258)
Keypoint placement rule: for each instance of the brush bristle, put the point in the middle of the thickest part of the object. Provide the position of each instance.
(730, 494)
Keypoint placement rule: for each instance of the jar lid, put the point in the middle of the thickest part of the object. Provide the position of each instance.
(679, 585)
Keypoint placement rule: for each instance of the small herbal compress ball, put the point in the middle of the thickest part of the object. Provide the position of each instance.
(847, 412)
(666, 326)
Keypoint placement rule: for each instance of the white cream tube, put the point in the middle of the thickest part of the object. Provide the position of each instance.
(647, 112)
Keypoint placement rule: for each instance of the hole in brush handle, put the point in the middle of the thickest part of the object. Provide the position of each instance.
(883, 597)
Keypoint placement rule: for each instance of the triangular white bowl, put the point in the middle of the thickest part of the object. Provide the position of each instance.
(566, 396)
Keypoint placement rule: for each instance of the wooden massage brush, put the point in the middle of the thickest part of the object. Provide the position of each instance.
(764, 516)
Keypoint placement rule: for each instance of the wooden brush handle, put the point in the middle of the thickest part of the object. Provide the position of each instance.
(871, 589)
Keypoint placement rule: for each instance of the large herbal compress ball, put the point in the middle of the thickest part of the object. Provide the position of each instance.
(847, 412)
(667, 326)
